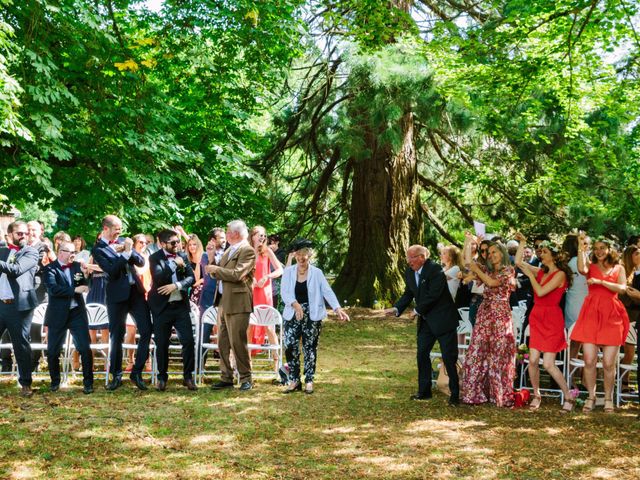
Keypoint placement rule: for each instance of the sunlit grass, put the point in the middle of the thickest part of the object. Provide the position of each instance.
(360, 423)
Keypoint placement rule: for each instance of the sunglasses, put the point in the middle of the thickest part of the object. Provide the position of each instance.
(21, 234)
(173, 242)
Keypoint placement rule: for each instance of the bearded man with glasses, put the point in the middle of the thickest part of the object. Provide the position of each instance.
(18, 266)
(171, 278)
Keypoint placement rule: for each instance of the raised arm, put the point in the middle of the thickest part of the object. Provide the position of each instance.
(557, 280)
(583, 259)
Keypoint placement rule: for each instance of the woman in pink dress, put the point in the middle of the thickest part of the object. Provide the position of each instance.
(489, 367)
(546, 321)
(603, 321)
(267, 268)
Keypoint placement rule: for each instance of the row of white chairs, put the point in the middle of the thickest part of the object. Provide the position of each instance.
(262, 316)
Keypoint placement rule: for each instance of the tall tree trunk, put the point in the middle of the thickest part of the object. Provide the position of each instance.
(385, 219)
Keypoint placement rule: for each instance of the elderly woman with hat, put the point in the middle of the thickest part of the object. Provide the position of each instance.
(304, 290)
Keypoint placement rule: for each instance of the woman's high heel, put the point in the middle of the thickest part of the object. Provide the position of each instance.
(293, 387)
(589, 403)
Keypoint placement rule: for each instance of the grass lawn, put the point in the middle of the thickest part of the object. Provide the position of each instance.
(360, 423)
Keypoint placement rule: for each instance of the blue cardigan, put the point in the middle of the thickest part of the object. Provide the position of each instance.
(319, 291)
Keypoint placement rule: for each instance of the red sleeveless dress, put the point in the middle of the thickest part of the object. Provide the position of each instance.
(603, 320)
(546, 321)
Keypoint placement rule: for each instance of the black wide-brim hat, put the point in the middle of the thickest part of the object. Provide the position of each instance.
(299, 244)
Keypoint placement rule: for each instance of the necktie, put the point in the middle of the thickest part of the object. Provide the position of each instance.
(417, 279)
(13, 247)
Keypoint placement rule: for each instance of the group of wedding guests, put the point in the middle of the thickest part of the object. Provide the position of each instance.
(154, 281)
(577, 287)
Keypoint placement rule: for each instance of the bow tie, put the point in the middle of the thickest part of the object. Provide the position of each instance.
(68, 265)
(111, 242)
(171, 256)
(13, 247)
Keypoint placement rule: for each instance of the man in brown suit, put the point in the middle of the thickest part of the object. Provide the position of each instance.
(235, 281)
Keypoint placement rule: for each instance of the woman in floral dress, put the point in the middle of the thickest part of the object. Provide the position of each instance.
(489, 367)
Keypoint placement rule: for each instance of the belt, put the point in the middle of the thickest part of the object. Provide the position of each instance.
(8, 301)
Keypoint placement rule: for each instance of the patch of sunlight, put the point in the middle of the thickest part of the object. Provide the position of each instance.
(370, 347)
(142, 472)
(385, 397)
(549, 430)
(218, 439)
(100, 433)
(388, 463)
(603, 473)
(578, 462)
(25, 469)
(348, 451)
(441, 426)
(333, 431)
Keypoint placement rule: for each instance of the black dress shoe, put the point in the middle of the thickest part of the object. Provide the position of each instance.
(190, 384)
(26, 391)
(114, 384)
(421, 396)
(221, 385)
(454, 400)
(246, 386)
(88, 389)
(162, 385)
(54, 387)
(136, 378)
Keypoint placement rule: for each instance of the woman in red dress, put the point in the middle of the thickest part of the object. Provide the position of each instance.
(489, 367)
(603, 320)
(546, 320)
(267, 267)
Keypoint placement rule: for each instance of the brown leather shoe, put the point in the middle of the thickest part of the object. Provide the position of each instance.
(26, 391)
(189, 383)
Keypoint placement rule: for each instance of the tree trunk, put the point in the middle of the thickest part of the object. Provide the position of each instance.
(385, 219)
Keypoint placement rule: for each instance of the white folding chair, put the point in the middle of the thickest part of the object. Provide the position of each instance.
(38, 319)
(176, 348)
(559, 362)
(517, 314)
(269, 317)
(134, 346)
(209, 317)
(578, 363)
(627, 370)
(98, 318)
(464, 331)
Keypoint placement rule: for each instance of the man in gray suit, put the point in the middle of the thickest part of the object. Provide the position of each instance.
(18, 266)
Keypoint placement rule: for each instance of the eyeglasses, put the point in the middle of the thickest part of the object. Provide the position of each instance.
(67, 251)
(173, 242)
(143, 242)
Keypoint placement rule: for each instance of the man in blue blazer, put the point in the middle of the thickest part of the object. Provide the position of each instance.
(18, 266)
(171, 278)
(125, 294)
(65, 282)
(426, 284)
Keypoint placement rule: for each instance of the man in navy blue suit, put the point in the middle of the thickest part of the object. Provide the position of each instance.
(18, 266)
(426, 284)
(65, 282)
(125, 295)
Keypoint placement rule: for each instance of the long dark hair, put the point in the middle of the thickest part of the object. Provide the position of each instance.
(560, 260)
